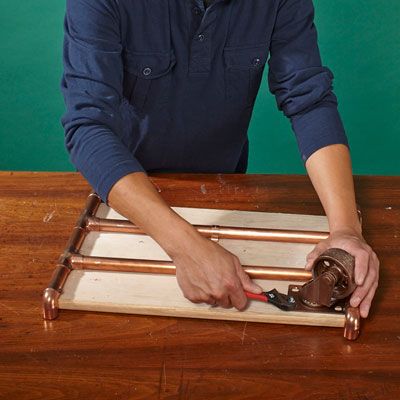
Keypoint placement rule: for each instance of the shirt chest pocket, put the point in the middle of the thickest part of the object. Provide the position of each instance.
(147, 79)
(244, 68)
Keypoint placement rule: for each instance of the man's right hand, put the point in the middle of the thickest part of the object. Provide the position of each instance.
(207, 273)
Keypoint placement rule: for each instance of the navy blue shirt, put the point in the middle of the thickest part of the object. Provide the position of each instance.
(169, 85)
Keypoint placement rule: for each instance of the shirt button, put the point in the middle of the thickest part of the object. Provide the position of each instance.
(146, 71)
(197, 10)
(256, 61)
(201, 37)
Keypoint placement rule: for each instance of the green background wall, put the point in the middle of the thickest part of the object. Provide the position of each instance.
(359, 41)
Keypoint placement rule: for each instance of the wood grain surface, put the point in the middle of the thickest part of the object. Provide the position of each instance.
(113, 356)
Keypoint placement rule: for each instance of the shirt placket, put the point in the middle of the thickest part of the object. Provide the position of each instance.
(204, 21)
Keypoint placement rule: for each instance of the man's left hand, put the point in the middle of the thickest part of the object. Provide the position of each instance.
(366, 265)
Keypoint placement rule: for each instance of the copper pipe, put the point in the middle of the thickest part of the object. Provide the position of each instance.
(77, 261)
(222, 232)
(78, 235)
(52, 293)
(50, 303)
(352, 323)
(59, 277)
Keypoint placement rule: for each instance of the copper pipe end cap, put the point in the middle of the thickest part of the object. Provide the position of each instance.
(50, 303)
(352, 323)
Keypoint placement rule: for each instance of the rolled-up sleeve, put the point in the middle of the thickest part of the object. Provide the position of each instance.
(302, 86)
(92, 89)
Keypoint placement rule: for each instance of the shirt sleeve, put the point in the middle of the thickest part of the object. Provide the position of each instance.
(301, 85)
(92, 89)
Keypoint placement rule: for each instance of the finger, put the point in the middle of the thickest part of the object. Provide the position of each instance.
(247, 283)
(376, 262)
(362, 260)
(224, 302)
(235, 288)
(211, 301)
(310, 263)
(238, 298)
(199, 296)
(195, 299)
(221, 297)
(361, 292)
(314, 254)
(366, 303)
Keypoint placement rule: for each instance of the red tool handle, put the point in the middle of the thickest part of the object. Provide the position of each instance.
(259, 297)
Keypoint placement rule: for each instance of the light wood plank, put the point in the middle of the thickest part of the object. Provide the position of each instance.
(143, 247)
(248, 219)
(152, 294)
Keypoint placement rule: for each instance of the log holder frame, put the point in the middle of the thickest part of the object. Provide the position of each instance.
(71, 259)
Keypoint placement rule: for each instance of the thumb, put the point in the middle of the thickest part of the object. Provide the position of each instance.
(247, 283)
(310, 260)
(314, 254)
(311, 257)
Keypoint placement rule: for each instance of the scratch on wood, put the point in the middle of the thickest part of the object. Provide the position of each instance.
(49, 216)
(162, 381)
(203, 188)
(244, 332)
(221, 180)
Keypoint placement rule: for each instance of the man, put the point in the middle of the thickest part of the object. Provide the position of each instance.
(169, 85)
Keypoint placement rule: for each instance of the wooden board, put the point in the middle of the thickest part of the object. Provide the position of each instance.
(248, 219)
(154, 294)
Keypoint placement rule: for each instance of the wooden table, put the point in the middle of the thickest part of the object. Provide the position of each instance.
(106, 356)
